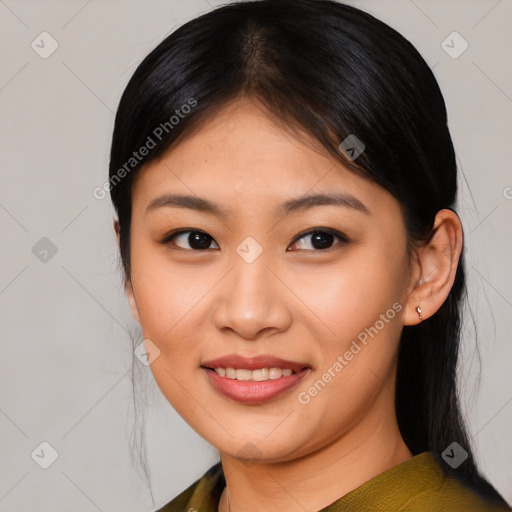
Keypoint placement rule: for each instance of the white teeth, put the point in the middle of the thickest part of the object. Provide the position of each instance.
(259, 375)
(275, 373)
(243, 374)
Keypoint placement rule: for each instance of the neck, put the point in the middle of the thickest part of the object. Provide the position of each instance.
(314, 481)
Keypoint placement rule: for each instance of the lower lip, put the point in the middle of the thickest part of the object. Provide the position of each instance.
(249, 391)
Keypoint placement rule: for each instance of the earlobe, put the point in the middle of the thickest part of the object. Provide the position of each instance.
(436, 265)
(131, 300)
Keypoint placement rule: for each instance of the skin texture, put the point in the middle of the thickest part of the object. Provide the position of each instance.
(302, 304)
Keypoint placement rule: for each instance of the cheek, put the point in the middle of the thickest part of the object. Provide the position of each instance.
(170, 305)
(350, 296)
(169, 300)
(360, 304)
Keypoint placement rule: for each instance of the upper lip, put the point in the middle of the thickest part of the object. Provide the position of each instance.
(253, 363)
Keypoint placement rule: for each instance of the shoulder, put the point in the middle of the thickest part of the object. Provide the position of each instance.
(202, 495)
(419, 484)
(446, 493)
(449, 496)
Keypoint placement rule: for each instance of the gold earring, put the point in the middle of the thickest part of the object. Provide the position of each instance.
(418, 310)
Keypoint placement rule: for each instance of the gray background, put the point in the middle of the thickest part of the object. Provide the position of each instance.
(64, 326)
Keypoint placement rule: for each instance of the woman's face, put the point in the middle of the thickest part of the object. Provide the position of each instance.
(254, 284)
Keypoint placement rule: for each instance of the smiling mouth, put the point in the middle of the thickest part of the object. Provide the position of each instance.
(260, 385)
(259, 375)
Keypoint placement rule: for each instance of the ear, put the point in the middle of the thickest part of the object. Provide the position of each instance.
(434, 268)
(128, 288)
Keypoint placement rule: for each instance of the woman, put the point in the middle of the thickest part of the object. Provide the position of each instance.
(284, 182)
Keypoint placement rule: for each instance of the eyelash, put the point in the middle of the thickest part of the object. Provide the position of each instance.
(343, 239)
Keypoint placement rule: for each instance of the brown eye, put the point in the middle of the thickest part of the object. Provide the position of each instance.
(320, 239)
(196, 240)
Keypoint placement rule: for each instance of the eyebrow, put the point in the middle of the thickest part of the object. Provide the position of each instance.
(295, 204)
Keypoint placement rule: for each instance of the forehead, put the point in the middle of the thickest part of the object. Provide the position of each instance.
(242, 155)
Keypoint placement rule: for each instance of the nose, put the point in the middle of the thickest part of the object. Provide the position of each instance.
(252, 301)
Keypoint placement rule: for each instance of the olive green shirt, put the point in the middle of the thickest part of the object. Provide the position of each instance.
(417, 484)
